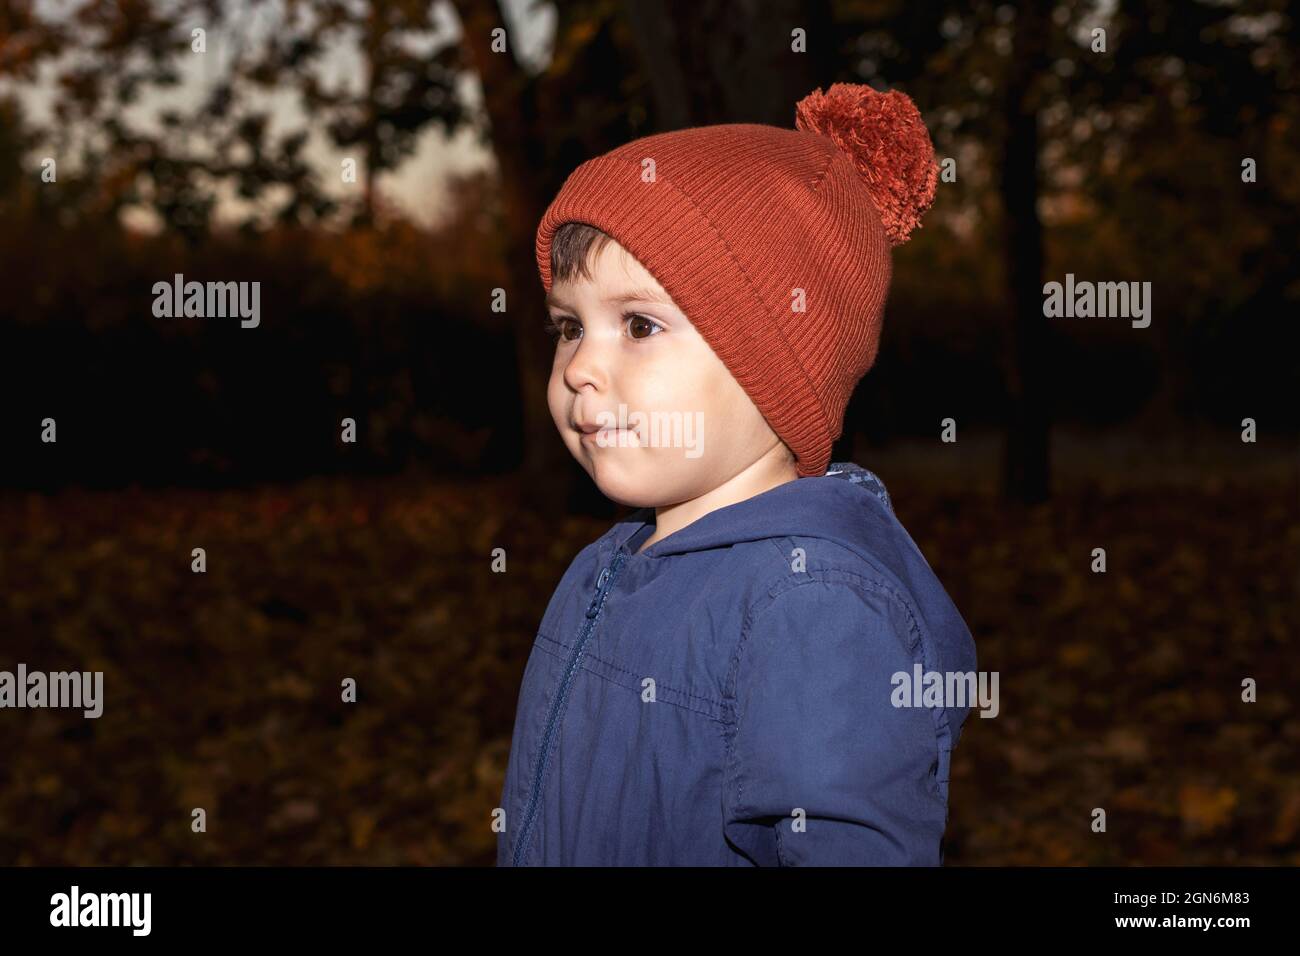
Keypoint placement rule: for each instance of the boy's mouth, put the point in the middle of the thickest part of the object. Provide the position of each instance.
(603, 434)
(589, 433)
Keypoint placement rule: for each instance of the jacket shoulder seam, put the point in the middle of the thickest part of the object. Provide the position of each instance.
(916, 647)
(821, 576)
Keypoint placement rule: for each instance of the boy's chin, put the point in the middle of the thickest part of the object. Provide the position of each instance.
(629, 483)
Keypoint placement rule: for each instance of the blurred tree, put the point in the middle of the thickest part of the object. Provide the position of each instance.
(719, 62)
(103, 57)
(1053, 96)
(409, 72)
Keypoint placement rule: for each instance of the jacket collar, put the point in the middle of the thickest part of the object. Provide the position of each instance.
(848, 504)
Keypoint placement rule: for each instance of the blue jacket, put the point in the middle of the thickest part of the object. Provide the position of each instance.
(724, 697)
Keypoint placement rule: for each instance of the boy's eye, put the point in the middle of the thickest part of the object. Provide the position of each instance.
(636, 321)
(558, 328)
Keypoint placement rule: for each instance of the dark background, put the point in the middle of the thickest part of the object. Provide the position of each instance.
(372, 560)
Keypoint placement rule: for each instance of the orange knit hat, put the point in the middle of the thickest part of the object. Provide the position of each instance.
(774, 242)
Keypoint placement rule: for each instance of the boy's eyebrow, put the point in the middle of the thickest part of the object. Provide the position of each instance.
(627, 295)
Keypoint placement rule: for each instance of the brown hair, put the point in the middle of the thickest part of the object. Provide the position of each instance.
(572, 247)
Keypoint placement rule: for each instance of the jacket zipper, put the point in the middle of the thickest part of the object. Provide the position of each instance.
(603, 584)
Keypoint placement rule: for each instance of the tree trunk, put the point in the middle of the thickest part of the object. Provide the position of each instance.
(510, 98)
(711, 62)
(1026, 463)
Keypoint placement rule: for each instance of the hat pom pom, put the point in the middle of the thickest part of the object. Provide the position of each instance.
(884, 135)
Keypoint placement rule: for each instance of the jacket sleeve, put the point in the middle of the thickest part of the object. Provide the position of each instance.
(822, 768)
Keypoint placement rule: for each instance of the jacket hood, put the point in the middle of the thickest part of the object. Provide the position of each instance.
(848, 505)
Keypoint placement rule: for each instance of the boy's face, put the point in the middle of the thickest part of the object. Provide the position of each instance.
(628, 360)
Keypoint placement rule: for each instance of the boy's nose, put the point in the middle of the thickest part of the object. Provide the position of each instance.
(587, 365)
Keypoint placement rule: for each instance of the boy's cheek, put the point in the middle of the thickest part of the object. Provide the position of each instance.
(558, 416)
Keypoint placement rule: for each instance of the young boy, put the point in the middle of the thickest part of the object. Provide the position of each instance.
(716, 680)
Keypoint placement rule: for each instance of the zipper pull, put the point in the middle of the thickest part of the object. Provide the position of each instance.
(600, 586)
